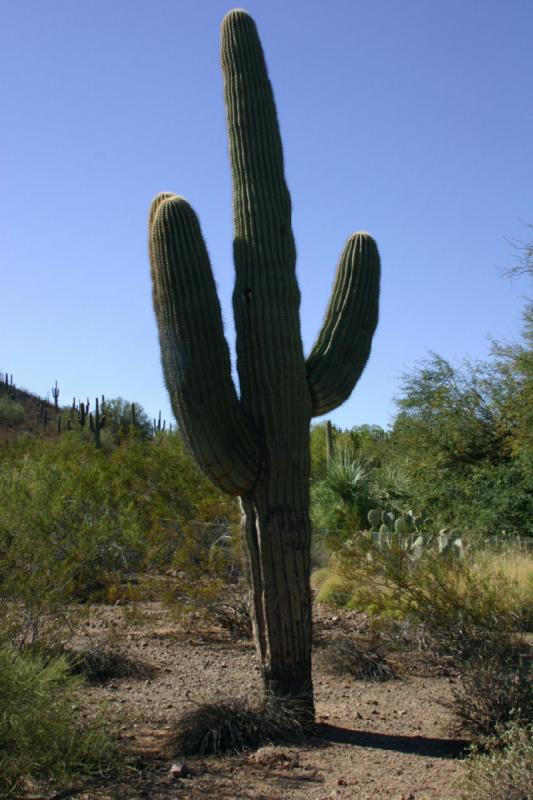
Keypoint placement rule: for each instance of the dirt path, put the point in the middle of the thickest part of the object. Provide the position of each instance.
(374, 740)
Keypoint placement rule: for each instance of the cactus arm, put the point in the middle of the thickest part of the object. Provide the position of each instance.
(195, 355)
(343, 345)
(266, 298)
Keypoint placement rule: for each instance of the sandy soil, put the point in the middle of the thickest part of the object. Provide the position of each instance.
(374, 740)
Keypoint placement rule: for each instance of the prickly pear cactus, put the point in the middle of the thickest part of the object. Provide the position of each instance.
(256, 445)
(374, 517)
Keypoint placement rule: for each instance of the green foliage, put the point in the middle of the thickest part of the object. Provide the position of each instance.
(211, 578)
(331, 587)
(459, 444)
(41, 732)
(11, 412)
(366, 442)
(451, 593)
(342, 498)
(125, 418)
(503, 769)
(75, 522)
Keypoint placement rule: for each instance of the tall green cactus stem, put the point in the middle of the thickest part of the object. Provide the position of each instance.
(96, 423)
(257, 445)
(330, 442)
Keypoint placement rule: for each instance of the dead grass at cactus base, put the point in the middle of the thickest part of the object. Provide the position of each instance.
(233, 725)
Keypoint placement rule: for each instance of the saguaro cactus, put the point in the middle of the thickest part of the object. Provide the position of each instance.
(257, 445)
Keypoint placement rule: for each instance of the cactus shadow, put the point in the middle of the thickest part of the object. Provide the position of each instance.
(413, 745)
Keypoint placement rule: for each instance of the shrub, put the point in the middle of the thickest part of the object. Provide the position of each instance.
(11, 412)
(331, 588)
(41, 732)
(495, 687)
(379, 578)
(455, 598)
(363, 659)
(341, 498)
(466, 611)
(211, 578)
(75, 522)
(501, 774)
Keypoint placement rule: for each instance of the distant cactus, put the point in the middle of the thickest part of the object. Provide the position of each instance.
(330, 442)
(55, 395)
(374, 517)
(257, 445)
(96, 423)
(82, 415)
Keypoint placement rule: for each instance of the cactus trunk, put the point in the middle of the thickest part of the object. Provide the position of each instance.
(279, 549)
(256, 445)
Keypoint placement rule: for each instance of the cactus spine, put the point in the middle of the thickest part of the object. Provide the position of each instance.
(257, 445)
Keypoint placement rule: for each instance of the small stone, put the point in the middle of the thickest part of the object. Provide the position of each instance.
(179, 770)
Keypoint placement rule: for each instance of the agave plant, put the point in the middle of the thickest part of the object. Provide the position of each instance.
(342, 498)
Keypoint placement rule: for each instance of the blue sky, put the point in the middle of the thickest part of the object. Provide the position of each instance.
(412, 120)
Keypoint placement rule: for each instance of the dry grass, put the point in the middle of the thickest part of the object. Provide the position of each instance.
(331, 588)
(495, 688)
(363, 659)
(233, 725)
(516, 567)
(98, 664)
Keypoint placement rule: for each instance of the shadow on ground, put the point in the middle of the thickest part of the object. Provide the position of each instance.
(415, 745)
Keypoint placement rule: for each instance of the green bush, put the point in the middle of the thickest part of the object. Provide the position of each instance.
(501, 773)
(11, 412)
(450, 593)
(341, 498)
(75, 522)
(41, 732)
(210, 578)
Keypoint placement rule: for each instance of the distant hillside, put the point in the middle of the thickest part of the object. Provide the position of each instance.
(24, 413)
